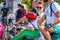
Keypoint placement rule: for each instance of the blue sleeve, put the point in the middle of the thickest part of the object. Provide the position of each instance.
(33, 10)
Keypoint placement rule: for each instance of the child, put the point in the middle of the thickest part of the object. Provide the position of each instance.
(40, 9)
(32, 23)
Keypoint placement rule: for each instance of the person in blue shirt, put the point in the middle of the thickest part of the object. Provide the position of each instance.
(5, 12)
(19, 12)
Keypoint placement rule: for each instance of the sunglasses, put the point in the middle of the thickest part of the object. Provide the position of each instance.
(39, 7)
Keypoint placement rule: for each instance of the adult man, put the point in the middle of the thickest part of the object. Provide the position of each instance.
(5, 12)
(52, 21)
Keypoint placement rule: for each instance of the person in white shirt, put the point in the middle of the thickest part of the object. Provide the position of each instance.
(52, 16)
(40, 8)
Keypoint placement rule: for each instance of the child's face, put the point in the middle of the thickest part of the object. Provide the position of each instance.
(40, 7)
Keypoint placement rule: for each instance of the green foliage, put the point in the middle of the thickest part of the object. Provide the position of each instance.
(54, 0)
(1, 1)
(28, 4)
(57, 0)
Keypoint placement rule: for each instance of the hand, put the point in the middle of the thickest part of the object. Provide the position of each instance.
(51, 30)
(48, 26)
(17, 24)
(46, 29)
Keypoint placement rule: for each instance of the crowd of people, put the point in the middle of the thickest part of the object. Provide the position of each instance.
(46, 19)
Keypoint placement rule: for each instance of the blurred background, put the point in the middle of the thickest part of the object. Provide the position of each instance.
(12, 4)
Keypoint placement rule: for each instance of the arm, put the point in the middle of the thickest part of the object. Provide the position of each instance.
(56, 9)
(31, 28)
(2, 9)
(16, 13)
(58, 18)
(40, 21)
(8, 12)
(21, 19)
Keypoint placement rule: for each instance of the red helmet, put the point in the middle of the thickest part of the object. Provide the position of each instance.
(31, 15)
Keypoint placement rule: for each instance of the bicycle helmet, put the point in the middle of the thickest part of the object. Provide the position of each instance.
(31, 15)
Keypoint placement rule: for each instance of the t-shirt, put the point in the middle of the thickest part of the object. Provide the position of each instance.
(35, 23)
(23, 12)
(19, 14)
(55, 8)
(41, 14)
(4, 11)
(35, 10)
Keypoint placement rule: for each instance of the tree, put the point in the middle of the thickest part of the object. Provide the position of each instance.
(1, 1)
(28, 3)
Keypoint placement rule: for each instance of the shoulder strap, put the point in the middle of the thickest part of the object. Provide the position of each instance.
(34, 26)
(51, 9)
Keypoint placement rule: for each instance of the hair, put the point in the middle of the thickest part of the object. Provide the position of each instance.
(4, 3)
(40, 2)
(22, 6)
(19, 5)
